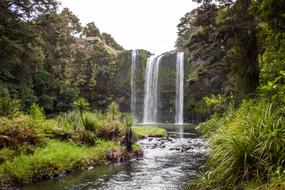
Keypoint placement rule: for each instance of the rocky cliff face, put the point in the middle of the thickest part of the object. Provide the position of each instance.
(122, 83)
(204, 74)
(207, 75)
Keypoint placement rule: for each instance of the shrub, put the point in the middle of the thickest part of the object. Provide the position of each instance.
(36, 112)
(109, 129)
(84, 137)
(18, 132)
(9, 108)
(90, 122)
(81, 105)
(113, 111)
(128, 123)
(6, 154)
(249, 144)
(113, 151)
(137, 150)
(70, 121)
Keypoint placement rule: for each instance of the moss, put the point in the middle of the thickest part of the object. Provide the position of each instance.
(148, 131)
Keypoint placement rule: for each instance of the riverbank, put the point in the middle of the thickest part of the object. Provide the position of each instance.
(149, 131)
(246, 148)
(167, 164)
(33, 148)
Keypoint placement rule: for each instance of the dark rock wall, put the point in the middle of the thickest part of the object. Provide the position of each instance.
(203, 76)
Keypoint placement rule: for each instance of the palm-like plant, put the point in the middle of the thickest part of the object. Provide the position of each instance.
(128, 123)
(81, 104)
(113, 109)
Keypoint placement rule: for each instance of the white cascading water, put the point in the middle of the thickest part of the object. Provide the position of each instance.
(179, 88)
(151, 93)
(135, 54)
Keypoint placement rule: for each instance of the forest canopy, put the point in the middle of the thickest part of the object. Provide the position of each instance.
(41, 49)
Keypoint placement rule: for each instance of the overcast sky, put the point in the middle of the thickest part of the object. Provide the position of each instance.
(135, 24)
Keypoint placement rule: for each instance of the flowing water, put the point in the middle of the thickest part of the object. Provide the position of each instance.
(179, 88)
(135, 54)
(167, 164)
(151, 92)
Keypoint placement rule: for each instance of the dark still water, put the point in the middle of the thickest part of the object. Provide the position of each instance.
(166, 165)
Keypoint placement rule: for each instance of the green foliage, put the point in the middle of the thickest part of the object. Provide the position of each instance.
(81, 105)
(18, 132)
(46, 162)
(6, 154)
(128, 121)
(36, 112)
(136, 147)
(149, 131)
(90, 121)
(113, 111)
(249, 143)
(216, 102)
(109, 129)
(84, 137)
(275, 89)
(128, 139)
(9, 108)
(109, 40)
(44, 61)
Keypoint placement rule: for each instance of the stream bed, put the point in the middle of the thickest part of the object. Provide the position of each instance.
(167, 164)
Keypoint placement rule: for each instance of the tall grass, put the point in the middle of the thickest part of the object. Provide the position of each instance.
(55, 158)
(9, 108)
(247, 145)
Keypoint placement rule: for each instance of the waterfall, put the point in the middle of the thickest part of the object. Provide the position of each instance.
(179, 88)
(150, 97)
(135, 54)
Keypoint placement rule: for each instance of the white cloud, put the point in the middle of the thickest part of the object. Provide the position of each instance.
(135, 24)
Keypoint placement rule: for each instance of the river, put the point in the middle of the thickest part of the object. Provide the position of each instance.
(167, 164)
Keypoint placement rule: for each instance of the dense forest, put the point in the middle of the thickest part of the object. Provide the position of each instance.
(235, 92)
(46, 59)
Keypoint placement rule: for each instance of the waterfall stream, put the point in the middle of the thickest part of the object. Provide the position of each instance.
(135, 54)
(150, 97)
(179, 88)
(151, 93)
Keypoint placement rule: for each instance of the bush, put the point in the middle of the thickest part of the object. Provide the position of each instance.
(109, 129)
(6, 154)
(113, 111)
(90, 122)
(36, 112)
(248, 145)
(18, 132)
(128, 132)
(84, 137)
(70, 121)
(9, 108)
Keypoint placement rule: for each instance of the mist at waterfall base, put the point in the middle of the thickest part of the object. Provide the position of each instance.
(151, 92)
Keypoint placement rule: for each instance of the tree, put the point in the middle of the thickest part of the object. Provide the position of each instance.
(110, 41)
(128, 122)
(20, 47)
(91, 30)
(229, 28)
(81, 105)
